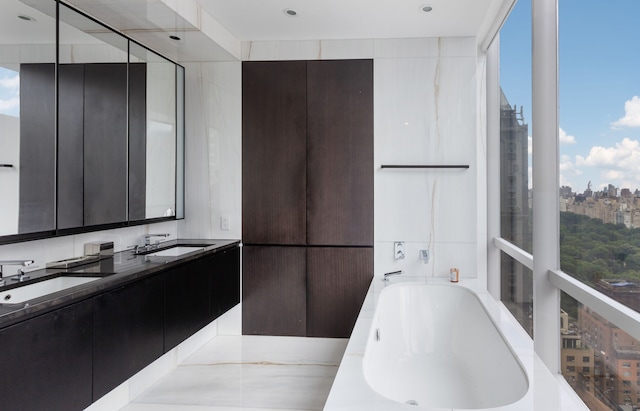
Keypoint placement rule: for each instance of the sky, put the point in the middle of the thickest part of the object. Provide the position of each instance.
(9, 92)
(599, 90)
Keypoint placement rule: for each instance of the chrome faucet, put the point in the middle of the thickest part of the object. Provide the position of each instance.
(387, 275)
(23, 263)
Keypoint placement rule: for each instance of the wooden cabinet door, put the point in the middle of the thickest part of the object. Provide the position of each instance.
(225, 282)
(340, 152)
(337, 282)
(128, 332)
(46, 361)
(186, 297)
(274, 152)
(274, 291)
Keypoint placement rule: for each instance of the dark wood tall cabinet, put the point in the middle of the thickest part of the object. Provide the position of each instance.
(307, 195)
(274, 153)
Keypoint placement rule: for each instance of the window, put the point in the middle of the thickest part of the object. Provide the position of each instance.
(9, 92)
(571, 358)
(586, 359)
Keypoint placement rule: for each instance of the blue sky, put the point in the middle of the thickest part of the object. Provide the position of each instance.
(9, 92)
(599, 88)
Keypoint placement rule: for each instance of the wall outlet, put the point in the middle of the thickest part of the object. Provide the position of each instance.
(398, 250)
(225, 223)
(424, 256)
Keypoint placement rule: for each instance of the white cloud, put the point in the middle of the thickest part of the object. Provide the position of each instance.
(631, 114)
(565, 138)
(625, 155)
(7, 105)
(10, 83)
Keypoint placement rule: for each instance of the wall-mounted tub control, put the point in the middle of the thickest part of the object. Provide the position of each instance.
(398, 250)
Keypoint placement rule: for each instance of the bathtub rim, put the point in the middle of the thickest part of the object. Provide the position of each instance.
(410, 282)
(350, 392)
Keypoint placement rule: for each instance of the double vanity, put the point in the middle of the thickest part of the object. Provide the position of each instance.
(68, 336)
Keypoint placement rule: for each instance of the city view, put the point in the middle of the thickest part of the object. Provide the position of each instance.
(600, 246)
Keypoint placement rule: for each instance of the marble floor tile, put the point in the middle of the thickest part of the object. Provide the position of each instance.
(249, 372)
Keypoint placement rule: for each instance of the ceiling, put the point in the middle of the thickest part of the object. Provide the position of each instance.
(212, 30)
(251, 20)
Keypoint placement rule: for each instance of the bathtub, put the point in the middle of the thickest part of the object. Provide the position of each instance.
(442, 346)
(435, 346)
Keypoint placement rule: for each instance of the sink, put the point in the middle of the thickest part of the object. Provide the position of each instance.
(176, 251)
(42, 288)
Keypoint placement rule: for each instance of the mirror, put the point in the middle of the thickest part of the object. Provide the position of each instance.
(120, 128)
(154, 195)
(92, 123)
(27, 119)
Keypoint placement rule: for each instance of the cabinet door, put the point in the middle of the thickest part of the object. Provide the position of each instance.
(274, 291)
(46, 361)
(225, 282)
(340, 152)
(128, 332)
(274, 152)
(105, 143)
(187, 298)
(337, 282)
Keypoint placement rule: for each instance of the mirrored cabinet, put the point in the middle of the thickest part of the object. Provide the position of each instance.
(91, 126)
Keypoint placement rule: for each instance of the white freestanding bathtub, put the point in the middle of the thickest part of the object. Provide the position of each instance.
(435, 346)
(440, 347)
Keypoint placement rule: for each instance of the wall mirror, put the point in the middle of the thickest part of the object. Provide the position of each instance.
(27, 43)
(113, 158)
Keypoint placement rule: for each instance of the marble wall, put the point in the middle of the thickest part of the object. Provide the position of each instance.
(428, 108)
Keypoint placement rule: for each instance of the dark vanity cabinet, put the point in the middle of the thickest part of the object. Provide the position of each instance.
(198, 292)
(47, 361)
(186, 295)
(128, 332)
(307, 195)
(224, 287)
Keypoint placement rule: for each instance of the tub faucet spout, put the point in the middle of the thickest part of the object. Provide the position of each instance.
(387, 275)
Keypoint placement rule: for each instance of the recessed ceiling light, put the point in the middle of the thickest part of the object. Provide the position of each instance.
(425, 8)
(25, 17)
(290, 13)
(176, 38)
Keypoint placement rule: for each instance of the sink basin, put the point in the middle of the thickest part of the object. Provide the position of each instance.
(42, 288)
(175, 251)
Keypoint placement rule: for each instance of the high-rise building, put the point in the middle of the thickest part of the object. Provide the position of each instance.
(517, 290)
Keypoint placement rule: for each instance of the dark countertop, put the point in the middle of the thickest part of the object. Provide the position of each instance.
(122, 268)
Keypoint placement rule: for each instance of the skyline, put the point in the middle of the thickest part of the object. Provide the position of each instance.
(599, 89)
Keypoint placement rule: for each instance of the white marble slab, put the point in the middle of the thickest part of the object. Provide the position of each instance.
(249, 372)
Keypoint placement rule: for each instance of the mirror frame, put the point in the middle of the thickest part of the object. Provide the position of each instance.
(179, 149)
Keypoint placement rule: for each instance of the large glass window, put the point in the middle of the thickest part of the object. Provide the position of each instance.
(599, 194)
(600, 148)
(515, 160)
